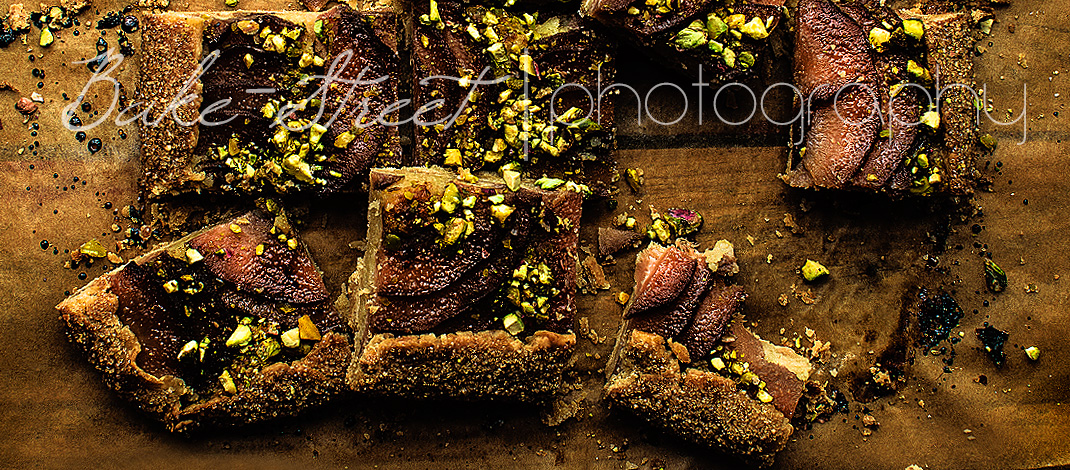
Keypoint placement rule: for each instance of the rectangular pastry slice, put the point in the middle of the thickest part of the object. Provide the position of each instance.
(466, 289)
(731, 40)
(683, 363)
(229, 325)
(870, 78)
(285, 101)
(545, 109)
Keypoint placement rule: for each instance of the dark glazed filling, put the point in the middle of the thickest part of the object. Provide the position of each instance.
(500, 123)
(474, 257)
(287, 62)
(222, 304)
(726, 37)
(864, 71)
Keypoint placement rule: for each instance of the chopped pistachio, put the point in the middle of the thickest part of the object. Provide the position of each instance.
(931, 119)
(813, 270)
(878, 38)
(170, 286)
(914, 28)
(717, 363)
(451, 196)
(549, 183)
(343, 139)
(434, 16)
(513, 324)
(268, 110)
(633, 11)
(922, 160)
(512, 179)
(47, 38)
(715, 26)
(919, 72)
(315, 133)
(501, 211)
(453, 157)
(469, 201)
(225, 378)
(260, 249)
(93, 249)
(745, 59)
(305, 60)
(307, 330)
(248, 60)
(291, 243)
(634, 178)
(248, 27)
(764, 396)
(454, 230)
(729, 57)
(715, 47)
(755, 28)
(496, 199)
(988, 141)
(291, 338)
(240, 337)
(235, 228)
(189, 348)
(735, 21)
(1033, 353)
(694, 35)
(526, 64)
(230, 3)
(193, 256)
(623, 297)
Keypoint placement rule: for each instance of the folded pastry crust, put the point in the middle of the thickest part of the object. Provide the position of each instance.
(112, 347)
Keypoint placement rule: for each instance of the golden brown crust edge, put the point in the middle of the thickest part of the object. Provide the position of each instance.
(701, 407)
(112, 348)
(171, 53)
(466, 365)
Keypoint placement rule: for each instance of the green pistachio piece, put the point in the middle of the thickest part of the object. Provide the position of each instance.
(755, 28)
(715, 26)
(729, 57)
(715, 47)
(512, 179)
(922, 160)
(735, 21)
(745, 60)
(931, 119)
(47, 38)
(434, 16)
(919, 72)
(230, 3)
(1033, 353)
(717, 363)
(526, 64)
(226, 380)
(988, 141)
(343, 139)
(914, 28)
(764, 396)
(453, 157)
(501, 211)
(513, 324)
(549, 183)
(315, 132)
(454, 230)
(451, 197)
(193, 256)
(813, 270)
(93, 249)
(170, 286)
(268, 349)
(691, 37)
(189, 348)
(878, 38)
(240, 337)
(291, 338)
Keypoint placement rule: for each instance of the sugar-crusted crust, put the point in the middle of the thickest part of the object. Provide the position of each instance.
(702, 407)
(280, 390)
(484, 365)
